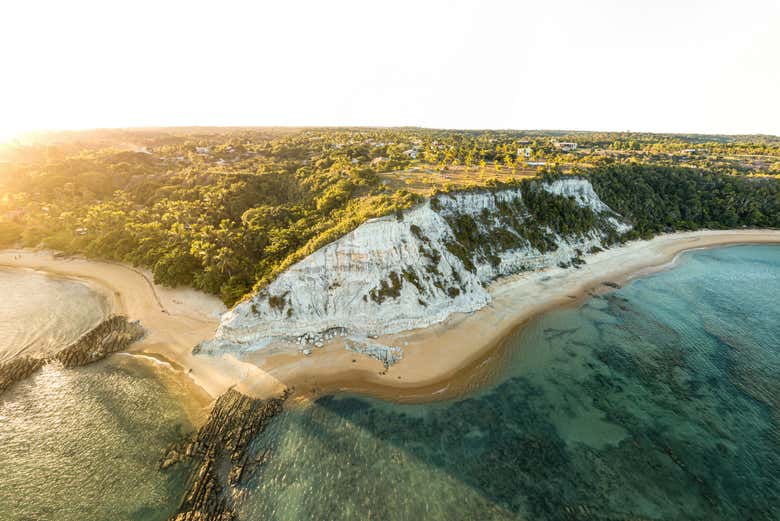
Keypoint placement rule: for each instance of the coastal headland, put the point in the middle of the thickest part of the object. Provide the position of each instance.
(439, 362)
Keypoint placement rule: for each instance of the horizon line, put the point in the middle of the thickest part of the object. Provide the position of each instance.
(22, 134)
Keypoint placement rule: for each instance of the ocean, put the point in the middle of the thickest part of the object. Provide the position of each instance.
(82, 444)
(660, 400)
(656, 401)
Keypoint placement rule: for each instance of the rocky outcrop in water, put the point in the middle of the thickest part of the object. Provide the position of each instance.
(220, 450)
(110, 336)
(18, 369)
(114, 334)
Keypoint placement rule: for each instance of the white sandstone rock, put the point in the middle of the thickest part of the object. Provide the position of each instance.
(339, 287)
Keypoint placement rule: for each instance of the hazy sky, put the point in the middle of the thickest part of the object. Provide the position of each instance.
(651, 65)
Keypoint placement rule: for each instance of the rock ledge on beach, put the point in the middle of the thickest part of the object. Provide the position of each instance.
(113, 334)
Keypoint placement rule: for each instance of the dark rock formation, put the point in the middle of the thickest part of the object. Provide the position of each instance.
(18, 369)
(111, 335)
(612, 284)
(220, 450)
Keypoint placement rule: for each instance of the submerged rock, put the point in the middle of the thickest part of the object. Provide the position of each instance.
(220, 450)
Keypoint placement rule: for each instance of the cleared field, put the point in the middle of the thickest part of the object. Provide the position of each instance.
(424, 179)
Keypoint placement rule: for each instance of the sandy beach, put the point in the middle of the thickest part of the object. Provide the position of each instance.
(439, 362)
(465, 351)
(175, 319)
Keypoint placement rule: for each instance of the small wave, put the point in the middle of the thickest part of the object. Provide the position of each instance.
(153, 359)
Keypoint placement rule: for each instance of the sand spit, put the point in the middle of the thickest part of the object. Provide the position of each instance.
(175, 319)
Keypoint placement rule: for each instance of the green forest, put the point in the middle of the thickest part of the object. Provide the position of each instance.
(662, 199)
(226, 210)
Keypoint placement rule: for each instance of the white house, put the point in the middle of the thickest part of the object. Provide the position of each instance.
(566, 146)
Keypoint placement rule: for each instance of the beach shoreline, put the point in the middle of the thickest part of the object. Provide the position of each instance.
(466, 351)
(440, 362)
(175, 319)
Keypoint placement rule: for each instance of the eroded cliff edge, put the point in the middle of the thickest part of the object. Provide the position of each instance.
(404, 272)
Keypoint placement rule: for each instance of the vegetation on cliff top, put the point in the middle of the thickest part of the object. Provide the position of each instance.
(226, 210)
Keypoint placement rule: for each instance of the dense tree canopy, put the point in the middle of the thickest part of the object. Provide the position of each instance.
(225, 210)
(659, 199)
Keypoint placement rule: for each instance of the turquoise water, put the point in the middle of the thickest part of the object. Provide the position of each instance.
(657, 401)
(82, 444)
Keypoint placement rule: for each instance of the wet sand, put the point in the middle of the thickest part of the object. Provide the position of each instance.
(441, 361)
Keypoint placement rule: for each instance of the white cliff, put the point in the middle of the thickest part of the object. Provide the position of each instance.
(390, 275)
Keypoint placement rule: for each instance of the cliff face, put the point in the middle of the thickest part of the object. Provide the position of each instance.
(392, 274)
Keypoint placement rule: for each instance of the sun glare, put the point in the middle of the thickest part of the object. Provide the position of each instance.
(7, 134)
(469, 69)
(11, 130)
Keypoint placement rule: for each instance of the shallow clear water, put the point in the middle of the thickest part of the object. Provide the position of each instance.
(657, 401)
(40, 314)
(83, 444)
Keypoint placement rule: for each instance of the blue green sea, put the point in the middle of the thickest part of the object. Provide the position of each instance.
(657, 401)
